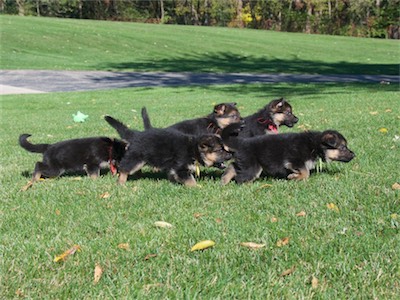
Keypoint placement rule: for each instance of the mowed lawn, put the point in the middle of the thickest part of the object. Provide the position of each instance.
(66, 44)
(341, 226)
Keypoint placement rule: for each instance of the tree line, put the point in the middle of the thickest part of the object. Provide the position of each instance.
(361, 18)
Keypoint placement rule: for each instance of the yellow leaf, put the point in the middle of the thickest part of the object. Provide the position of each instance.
(71, 251)
(394, 216)
(332, 206)
(252, 245)
(396, 186)
(148, 256)
(283, 242)
(301, 214)
(105, 195)
(383, 130)
(288, 271)
(124, 246)
(274, 219)
(27, 186)
(203, 245)
(98, 271)
(314, 282)
(163, 224)
(373, 113)
(58, 212)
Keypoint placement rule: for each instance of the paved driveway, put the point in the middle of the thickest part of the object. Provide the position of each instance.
(32, 81)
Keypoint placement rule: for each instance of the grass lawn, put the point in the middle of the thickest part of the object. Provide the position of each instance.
(345, 253)
(66, 44)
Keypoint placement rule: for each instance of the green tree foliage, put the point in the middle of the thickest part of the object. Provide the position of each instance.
(366, 18)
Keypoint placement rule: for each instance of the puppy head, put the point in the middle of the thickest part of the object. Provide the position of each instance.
(212, 151)
(281, 112)
(335, 148)
(119, 148)
(225, 114)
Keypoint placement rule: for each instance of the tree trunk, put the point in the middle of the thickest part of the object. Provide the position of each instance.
(309, 16)
(21, 8)
(239, 9)
(162, 10)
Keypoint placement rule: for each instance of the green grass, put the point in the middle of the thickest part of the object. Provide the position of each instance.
(354, 253)
(65, 44)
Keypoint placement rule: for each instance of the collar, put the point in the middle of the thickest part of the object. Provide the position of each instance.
(271, 126)
(113, 168)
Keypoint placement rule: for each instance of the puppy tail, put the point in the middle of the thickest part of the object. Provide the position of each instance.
(230, 135)
(146, 119)
(121, 128)
(38, 148)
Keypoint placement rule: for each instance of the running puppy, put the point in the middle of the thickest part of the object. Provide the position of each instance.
(171, 151)
(223, 115)
(268, 119)
(89, 154)
(290, 155)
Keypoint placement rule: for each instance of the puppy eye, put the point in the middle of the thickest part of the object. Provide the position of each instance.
(288, 113)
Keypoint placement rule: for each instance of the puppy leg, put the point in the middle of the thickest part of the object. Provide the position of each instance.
(131, 166)
(299, 174)
(92, 171)
(45, 170)
(183, 176)
(228, 175)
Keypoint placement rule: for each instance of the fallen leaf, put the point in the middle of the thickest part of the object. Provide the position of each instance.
(394, 216)
(396, 186)
(203, 245)
(288, 271)
(124, 246)
(148, 256)
(283, 242)
(274, 219)
(58, 212)
(218, 220)
(198, 215)
(264, 186)
(163, 224)
(252, 245)
(71, 251)
(373, 113)
(332, 206)
(19, 293)
(27, 186)
(301, 214)
(105, 195)
(383, 130)
(98, 271)
(388, 110)
(314, 282)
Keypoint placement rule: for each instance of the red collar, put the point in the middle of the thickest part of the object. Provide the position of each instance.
(113, 168)
(271, 126)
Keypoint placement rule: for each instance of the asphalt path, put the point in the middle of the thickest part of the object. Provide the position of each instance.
(33, 81)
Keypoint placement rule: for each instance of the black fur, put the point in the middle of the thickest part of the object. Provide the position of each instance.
(168, 150)
(290, 155)
(223, 115)
(268, 119)
(89, 154)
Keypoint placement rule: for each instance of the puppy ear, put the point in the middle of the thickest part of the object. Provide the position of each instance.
(329, 139)
(219, 109)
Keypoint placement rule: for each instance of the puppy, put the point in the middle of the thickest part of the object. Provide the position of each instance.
(290, 155)
(268, 119)
(223, 115)
(170, 151)
(89, 154)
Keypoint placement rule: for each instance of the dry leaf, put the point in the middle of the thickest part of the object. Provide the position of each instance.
(383, 130)
(252, 245)
(19, 293)
(301, 214)
(58, 212)
(148, 256)
(27, 186)
(198, 215)
(332, 206)
(274, 219)
(288, 271)
(71, 251)
(105, 195)
(373, 113)
(218, 220)
(314, 282)
(396, 186)
(283, 242)
(203, 245)
(98, 271)
(163, 224)
(388, 110)
(124, 246)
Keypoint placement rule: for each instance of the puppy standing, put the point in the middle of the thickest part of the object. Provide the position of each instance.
(89, 154)
(290, 155)
(268, 119)
(168, 150)
(223, 115)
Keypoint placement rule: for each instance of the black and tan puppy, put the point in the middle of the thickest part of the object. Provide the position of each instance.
(290, 155)
(223, 115)
(89, 154)
(171, 151)
(268, 119)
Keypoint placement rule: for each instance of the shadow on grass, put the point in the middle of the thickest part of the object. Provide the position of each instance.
(230, 63)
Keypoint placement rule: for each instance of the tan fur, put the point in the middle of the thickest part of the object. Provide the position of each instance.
(228, 175)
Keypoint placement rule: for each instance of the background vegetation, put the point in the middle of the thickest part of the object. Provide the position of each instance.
(363, 18)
